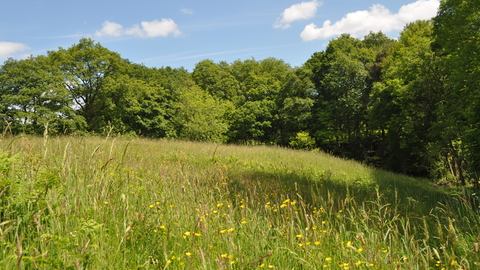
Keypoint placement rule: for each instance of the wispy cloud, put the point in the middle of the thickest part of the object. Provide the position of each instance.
(8, 49)
(236, 53)
(301, 11)
(187, 11)
(378, 18)
(155, 28)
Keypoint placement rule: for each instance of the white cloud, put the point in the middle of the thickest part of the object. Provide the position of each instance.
(160, 28)
(302, 11)
(155, 28)
(378, 18)
(7, 49)
(110, 29)
(187, 11)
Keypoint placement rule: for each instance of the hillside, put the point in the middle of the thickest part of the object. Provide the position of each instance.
(117, 203)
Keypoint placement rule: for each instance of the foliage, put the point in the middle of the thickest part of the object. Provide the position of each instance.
(302, 141)
(200, 117)
(457, 41)
(87, 68)
(408, 100)
(33, 96)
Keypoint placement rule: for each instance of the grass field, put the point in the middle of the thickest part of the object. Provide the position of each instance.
(118, 203)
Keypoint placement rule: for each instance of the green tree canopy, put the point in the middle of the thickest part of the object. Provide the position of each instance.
(457, 41)
(87, 68)
(33, 95)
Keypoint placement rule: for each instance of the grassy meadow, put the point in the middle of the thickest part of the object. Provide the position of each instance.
(119, 203)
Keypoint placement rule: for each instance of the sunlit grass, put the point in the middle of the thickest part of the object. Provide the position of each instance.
(97, 203)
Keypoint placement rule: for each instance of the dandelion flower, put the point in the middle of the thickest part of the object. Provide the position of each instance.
(328, 259)
(106, 203)
(224, 255)
(223, 231)
(317, 243)
(299, 236)
(198, 234)
(188, 254)
(231, 229)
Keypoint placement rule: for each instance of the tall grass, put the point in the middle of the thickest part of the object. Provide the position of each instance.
(113, 203)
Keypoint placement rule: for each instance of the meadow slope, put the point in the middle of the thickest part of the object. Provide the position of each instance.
(118, 203)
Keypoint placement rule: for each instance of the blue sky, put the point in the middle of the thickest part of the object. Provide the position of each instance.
(181, 33)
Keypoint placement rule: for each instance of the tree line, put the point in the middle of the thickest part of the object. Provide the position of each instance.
(410, 105)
